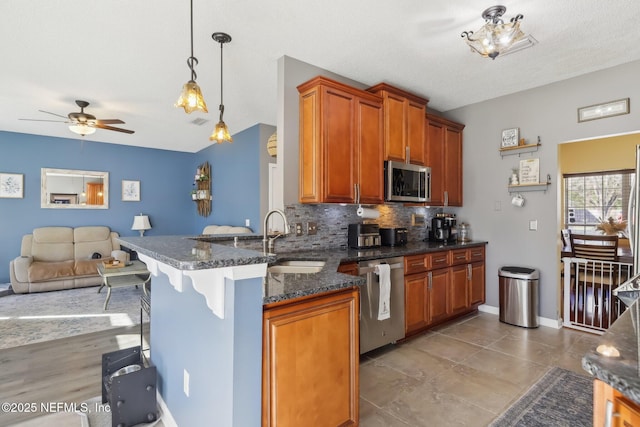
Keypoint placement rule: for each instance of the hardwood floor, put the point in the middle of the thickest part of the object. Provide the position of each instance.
(67, 370)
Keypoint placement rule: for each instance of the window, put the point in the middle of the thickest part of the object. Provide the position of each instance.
(593, 198)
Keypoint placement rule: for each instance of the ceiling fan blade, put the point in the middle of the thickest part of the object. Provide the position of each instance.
(101, 126)
(43, 120)
(49, 112)
(110, 121)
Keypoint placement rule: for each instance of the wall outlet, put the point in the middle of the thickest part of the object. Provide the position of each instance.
(185, 381)
(247, 222)
(299, 229)
(312, 228)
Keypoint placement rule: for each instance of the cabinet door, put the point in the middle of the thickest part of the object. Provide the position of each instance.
(348, 268)
(453, 165)
(415, 304)
(415, 133)
(394, 128)
(310, 178)
(437, 296)
(458, 291)
(310, 362)
(338, 155)
(477, 284)
(434, 142)
(368, 151)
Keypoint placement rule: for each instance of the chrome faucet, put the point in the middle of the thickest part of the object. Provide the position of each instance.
(267, 242)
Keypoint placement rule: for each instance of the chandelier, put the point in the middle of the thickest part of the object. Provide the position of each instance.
(495, 37)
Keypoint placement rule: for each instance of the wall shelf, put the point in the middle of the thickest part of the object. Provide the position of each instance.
(541, 186)
(521, 149)
(201, 193)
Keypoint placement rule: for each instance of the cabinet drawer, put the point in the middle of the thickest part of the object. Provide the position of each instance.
(415, 264)
(458, 256)
(476, 254)
(438, 260)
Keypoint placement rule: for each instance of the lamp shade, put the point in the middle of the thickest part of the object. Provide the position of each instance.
(82, 129)
(141, 223)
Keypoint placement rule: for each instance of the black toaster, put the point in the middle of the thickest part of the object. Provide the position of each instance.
(395, 236)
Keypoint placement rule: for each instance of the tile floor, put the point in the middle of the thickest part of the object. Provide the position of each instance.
(465, 373)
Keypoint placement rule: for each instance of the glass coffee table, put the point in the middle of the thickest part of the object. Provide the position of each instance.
(134, 274)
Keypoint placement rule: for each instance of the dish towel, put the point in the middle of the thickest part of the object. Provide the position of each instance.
(384, 307)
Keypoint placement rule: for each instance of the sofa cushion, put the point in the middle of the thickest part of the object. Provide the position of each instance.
(52, 244)
(92, 239)
(41, 271)
(88, 267)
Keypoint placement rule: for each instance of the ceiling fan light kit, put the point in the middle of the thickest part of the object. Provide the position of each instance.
(82, 123)
(495, 37)
(221, 132)
(191, 98)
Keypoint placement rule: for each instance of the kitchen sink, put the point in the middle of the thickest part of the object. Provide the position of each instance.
(296, 266)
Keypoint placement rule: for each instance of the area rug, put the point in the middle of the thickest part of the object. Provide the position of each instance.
(43, 316)
(560, 398)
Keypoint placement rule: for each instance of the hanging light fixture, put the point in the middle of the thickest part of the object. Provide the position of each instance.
(495, 37)
(221, 132)
(191, 97)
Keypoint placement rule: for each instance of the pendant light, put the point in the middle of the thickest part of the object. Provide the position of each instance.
(191, 97)
(221, 132)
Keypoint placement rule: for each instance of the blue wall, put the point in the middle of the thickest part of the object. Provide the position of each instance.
(165, 179)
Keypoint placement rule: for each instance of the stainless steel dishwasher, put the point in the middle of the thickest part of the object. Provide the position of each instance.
(375, 333)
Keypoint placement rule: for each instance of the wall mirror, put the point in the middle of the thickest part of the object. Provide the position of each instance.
(74, 189)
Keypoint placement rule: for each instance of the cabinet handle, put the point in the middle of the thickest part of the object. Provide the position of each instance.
(407, 154)
(609, 414)
(430, 276)
(461, 256)
(356, 190)
(469, 272)
(446, 198)
(416, 264)
(439, 260)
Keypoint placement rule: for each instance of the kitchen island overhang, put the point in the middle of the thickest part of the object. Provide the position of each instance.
(206, 328)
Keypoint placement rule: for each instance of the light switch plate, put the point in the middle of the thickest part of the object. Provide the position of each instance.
(533, 225)
(312, 228)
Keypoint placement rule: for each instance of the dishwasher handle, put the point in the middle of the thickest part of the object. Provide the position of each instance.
(365, 270)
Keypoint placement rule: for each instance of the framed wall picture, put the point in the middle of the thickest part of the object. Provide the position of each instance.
(510, 138)
(600, 111)
(130, 191)
(12, 185)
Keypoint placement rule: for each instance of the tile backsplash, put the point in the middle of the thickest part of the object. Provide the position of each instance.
(332, 223)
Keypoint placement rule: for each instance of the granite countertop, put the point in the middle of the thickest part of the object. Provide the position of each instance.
(623, 372)
(196, 252)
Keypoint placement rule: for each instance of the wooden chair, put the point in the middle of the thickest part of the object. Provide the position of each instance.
(595, 279)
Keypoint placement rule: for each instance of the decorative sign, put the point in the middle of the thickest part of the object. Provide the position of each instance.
(600, 111)
(529, 171)
(510, 138)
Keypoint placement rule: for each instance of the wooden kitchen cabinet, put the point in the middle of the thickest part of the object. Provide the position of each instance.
(442, 285)
(311, 361)
(443, 139)
(348, 268)
(341, 144)
(403, 124)
(624, 412)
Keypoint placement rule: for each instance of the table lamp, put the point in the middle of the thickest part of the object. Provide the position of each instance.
(141, 223)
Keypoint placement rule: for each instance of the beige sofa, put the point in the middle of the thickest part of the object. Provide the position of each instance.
(225, 229)
(53, 258)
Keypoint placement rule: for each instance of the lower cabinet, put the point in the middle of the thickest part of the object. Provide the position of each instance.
(310, 361)
(442, 285)
(609, 403)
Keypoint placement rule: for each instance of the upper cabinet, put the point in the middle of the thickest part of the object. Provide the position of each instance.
(444, 157)
(340, 144)
(403, 124)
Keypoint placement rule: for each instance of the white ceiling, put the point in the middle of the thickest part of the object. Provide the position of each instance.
(128, 58)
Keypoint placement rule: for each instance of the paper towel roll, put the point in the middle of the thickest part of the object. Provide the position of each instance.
(367, 213)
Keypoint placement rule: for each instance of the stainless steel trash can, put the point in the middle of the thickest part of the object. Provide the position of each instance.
(519, 296)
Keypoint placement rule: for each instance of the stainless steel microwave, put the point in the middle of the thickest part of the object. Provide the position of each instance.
(404, 182)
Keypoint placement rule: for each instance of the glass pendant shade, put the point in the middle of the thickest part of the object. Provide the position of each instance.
(493, 39)
(221, 134)
(82, 129)
(191, 98)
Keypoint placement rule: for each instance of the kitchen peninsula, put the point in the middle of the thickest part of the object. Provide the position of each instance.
(217, 315)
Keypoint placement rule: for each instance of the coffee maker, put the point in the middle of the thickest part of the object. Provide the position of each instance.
(443, 228)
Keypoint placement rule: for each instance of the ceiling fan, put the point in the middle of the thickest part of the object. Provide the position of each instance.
(83, 123)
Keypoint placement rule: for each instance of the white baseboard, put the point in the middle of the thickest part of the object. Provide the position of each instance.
(165, 414)
(542, 321)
